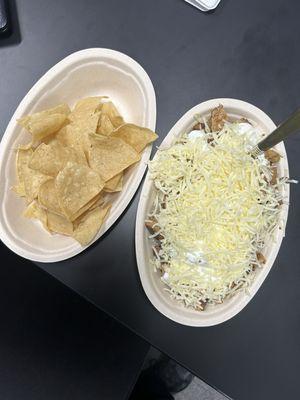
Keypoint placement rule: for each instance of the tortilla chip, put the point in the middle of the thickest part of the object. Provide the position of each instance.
(29, 179)
(135, 136)
(88, 226)
(51, 158)
(109, 156)
(96, 201)
(40, 128)
(19, 190)
(89, 124)
(84, 108)
(26, 146)
(33, 210)
(115, 184)
(22, 160)
(110, 110)
(67, 163)
(52, 138)
(69, 136)
(60, 109)
(59, 224)
(47, 197)
(32, 181)
(105, 127)
(76, 185)
(76, 135)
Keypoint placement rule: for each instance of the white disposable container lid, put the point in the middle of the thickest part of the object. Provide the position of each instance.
(209, 4)
(204, 5)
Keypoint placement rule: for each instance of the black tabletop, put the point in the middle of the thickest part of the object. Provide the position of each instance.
(245, 49)
(54, 345)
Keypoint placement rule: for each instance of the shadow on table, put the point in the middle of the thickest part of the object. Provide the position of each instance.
(160, 379)
(12, 36)
(56, 345)
(164, 379)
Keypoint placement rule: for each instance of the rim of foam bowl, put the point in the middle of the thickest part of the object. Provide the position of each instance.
(150, 279)
(26, 247)
(209, 4)
(204, 5)
(197, 4)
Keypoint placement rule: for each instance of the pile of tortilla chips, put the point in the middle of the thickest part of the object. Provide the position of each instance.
(73, 160)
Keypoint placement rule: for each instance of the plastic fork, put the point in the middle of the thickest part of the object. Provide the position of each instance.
(287, 128)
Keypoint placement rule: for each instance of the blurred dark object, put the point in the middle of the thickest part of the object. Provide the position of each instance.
(9, 24)
(160, 380)
(4, 20)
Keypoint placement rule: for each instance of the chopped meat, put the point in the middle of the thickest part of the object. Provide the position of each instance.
(266, 179)
(219, 301)
(273, 180)
(253, 267)
(153, 229)
(244, 120)
(201, 306)
(272, 156)
(217, 118)
(150, 226)
(164, 266)
(199, 126)
(261, 258)
(164, 204)
(210, 140)
(157, 247)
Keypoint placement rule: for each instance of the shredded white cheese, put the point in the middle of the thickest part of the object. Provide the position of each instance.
(215, 208)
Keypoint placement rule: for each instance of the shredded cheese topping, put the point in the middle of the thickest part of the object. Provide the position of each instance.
(214, 210)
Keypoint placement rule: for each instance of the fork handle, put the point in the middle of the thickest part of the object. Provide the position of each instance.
(288, 127)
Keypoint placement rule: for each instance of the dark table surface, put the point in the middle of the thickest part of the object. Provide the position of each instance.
(54, 345)
(246, 50)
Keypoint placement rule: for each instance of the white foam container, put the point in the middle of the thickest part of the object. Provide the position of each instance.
(89, 72)
(204, 5)
(153, 287)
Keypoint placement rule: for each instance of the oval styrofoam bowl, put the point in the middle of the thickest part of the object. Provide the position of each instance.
(154, 288)
(89, 72)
